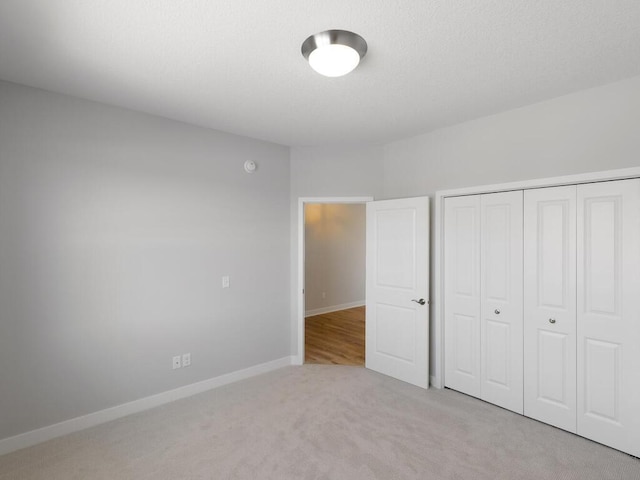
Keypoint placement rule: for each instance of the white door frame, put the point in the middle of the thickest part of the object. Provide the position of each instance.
(299, 296)
(437, 380)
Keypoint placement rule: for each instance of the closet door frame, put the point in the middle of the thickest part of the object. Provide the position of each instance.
(438, 367)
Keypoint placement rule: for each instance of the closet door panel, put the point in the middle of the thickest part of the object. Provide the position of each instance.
(550, 306)
(501, 300)
(462, 294)
(609, 313)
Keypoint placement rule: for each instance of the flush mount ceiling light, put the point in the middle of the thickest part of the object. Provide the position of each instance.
(334, 53)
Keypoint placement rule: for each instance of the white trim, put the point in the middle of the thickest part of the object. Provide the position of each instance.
(438, 354)
(40, 435)
(590, 177)
(437, 378)
(333, 308)
(299, 296)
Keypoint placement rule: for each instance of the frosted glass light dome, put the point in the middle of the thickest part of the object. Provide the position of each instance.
(334, 60)
(334, 53)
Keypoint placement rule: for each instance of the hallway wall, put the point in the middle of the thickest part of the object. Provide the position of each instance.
(334, 256)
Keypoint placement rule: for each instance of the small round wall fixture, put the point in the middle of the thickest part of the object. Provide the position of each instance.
(334, 53)
(250, 166)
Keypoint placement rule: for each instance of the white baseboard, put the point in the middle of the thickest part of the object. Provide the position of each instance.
(34, 437)
(333, 308)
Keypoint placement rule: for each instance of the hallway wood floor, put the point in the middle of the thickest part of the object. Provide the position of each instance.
(335, 338)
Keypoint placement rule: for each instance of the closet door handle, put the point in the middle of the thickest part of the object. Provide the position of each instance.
(421, 301)
(552, 320)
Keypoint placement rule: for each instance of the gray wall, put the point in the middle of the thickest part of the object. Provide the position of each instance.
(334, 255)
(592, 130)
(115, 230)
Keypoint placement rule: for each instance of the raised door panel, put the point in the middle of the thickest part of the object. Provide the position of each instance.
(550, 306)
(608, 313)
(501, 300)
(462, 294)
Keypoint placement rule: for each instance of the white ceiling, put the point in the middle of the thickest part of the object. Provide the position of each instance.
(235, 65)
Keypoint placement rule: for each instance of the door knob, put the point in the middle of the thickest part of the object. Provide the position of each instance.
(497, 312)
(552, 320)
(421, 301)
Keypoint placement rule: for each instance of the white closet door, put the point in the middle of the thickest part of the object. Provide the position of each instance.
(550, 306)
(501, 300)
(462, 293)
(609, 313)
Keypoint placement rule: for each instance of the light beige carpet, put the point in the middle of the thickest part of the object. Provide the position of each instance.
(321, 422)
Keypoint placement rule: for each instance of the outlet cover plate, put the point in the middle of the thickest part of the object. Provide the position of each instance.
(177, 362)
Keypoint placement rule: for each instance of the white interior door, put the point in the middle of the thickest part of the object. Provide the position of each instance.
(609, 313)
(550, 306)
(501, 300)
(462, 294)
(397, 290)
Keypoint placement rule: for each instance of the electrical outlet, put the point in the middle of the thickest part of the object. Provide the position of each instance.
(176, 362)
(186, 359)
(225, 281)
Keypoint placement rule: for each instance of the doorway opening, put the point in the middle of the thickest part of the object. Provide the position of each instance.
(335, 243)
(331, 280)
